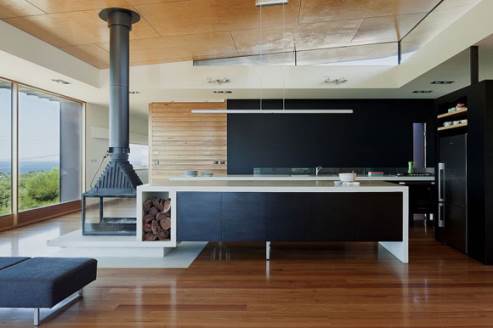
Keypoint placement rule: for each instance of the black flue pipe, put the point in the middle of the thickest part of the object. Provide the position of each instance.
(120, 22)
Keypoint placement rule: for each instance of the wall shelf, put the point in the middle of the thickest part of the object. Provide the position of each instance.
(457, 112)
(451, 127)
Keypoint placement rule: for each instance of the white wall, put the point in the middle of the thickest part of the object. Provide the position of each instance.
(97, 124)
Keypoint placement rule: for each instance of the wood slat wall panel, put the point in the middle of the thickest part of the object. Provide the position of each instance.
(180, 140)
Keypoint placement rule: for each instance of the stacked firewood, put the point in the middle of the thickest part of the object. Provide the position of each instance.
(157, 219)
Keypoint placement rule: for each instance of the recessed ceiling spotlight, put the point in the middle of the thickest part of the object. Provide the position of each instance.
(337, 81)
(60, 81)
(133, 92)
(218, 81)
(262, 3)
(422, 91)
(222, 91)
(442, 82)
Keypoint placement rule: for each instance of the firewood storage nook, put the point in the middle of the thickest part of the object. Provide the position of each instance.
(156, 218)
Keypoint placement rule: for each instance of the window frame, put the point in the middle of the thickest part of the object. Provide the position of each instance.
(22, 217)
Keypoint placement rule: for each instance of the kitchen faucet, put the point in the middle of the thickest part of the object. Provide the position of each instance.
(317, 170)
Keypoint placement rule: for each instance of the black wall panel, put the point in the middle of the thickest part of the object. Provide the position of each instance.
(379, 134)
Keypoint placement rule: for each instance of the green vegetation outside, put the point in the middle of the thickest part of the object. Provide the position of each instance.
(5, 183)
(36, 189)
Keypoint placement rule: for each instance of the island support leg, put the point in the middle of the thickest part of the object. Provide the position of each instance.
(400, 249)
(267, 250)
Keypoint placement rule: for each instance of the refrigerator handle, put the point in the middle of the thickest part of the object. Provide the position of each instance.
(441, 182)
(441, 215)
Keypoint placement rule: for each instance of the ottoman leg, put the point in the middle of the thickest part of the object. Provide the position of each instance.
(36, 317)
(64, 304)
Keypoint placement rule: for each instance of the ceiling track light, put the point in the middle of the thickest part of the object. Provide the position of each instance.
(442, 82)
(60, 81)
(222, 91)
(218, 81)
(336, 81)
(423, 91)
(133, 92)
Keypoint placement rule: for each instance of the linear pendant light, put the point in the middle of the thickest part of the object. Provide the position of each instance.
(272, 111)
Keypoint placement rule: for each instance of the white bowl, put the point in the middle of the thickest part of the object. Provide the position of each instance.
(347, 177)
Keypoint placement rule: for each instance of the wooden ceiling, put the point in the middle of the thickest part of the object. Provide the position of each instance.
(177, 30)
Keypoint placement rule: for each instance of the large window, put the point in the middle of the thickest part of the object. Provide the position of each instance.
(40, 148)
(49, 149)
(5, 147)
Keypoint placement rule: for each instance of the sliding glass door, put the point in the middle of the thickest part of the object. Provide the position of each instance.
(49, 149)
(5, 147)
(39, 150)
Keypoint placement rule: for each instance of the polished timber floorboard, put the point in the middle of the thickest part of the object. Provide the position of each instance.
(316, 285)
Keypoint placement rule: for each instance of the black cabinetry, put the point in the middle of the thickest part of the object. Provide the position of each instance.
(243, 217)
(477, 216)
(278, 216)
(194, 208)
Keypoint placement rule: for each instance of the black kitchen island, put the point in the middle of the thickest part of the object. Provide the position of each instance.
(297, 211)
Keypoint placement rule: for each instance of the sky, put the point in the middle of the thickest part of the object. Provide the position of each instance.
(5, 124)
(39, 128)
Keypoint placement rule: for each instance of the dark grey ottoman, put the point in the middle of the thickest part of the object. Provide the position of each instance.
(9, 261)
(43, 282)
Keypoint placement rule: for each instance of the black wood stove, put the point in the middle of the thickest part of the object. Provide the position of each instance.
(118, 179)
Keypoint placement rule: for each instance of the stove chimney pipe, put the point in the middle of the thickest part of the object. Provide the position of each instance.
(120, 22)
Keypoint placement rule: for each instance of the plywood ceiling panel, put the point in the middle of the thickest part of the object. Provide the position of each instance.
(177, 30)
(375, 29)
(60, 6)
(178, 18)
(74, 28)
(322, 10)
(234, 15)
(326, 34)
(179, 48)
(255, 41)
(17, 8)
(91, 53)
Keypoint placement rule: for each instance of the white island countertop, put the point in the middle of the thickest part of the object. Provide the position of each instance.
(247, 177)
(268, 186)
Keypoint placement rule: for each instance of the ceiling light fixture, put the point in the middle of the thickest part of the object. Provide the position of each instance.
(263, 3)
(337, 81)
(442, 82)
(222, 91)
(422, 91)
(60, 81)
(218, 81)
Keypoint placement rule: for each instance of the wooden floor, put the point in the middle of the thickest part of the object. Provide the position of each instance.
(331, 285)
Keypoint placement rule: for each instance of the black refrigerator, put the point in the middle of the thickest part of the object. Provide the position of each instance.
(452, 190)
